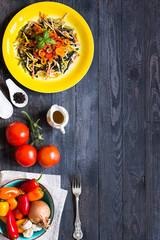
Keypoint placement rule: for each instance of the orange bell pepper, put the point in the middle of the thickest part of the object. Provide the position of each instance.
(58, 42)
(60, 51)
(53, 34)
(9, 192)
(35, 195)
(43, 61)
(51, 59)
(17, 214)
(42, 53)
(12, 203)
(66, 42)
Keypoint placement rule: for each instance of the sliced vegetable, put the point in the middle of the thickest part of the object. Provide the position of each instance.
(47, 34)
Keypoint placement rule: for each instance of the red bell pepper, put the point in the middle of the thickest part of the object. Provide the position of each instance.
(30, 185)
(23, 204)
(12, 228)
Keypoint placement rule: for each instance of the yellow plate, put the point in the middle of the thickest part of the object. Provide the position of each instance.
(79, 67)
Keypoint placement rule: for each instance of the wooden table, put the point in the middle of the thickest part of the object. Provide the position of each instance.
(113, 136)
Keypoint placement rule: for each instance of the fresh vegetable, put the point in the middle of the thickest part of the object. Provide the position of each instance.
(18, 214)
(12, 203)
(9, 192)
(19, 224)
(37, 194)
(26, 155)
(48, 156)
(12, 228)
(30, 185)
(58, 42)
(28, 233)
(27, 224)
(3, 219)
(36, 228)
(39, 213)
(23, 204)
(43, 40)
(17, 134)
(4, 207)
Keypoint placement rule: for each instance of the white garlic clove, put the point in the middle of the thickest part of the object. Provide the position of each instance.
(26, 225)
(28, 233)
(36, 228)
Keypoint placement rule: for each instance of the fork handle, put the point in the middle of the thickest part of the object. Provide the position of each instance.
(77, 231)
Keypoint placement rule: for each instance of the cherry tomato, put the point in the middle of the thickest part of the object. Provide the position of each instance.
(17, 134)
(36, 28)
(49, 55)
(26, 155)
(48, 156)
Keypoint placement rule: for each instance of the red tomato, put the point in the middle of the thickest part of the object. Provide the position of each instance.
(49, 55)
(26, 155)
(36, 28)
(17, 134)
(48, 156)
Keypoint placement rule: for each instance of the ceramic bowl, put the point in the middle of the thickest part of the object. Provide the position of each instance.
(46, 198)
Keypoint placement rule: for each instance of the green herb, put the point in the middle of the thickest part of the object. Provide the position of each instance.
(45, 39)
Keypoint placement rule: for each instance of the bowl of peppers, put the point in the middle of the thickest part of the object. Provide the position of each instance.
(26, 209)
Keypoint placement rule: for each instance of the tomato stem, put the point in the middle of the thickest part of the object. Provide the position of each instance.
(37, 137)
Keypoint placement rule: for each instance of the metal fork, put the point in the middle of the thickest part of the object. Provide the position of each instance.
(76, 190)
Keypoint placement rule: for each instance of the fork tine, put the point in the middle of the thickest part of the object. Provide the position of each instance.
(78, 181)
(73, 181)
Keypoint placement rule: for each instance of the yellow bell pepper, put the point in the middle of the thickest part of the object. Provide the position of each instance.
(3, 219)
(4, 207)
(19, 224)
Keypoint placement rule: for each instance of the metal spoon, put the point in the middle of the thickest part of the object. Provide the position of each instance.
(13, 88)
(6, 108)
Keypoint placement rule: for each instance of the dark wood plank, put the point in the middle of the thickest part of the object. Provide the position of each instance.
(152, 18)
(8, 10)
(87, 130)
(67, 145)
(133, 120)
(110, 121)
(37, 108)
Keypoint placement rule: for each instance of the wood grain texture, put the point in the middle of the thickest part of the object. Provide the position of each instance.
(110, 121)
(87, 130)
(133, 120)
(152, 17)
(113, 135)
